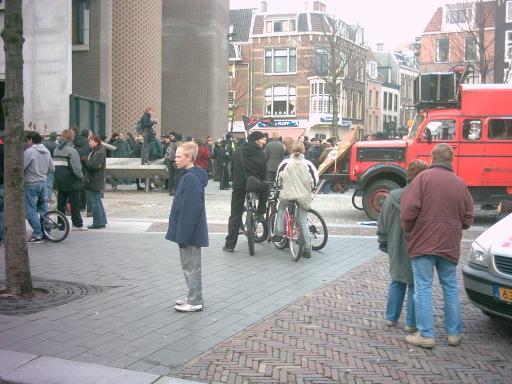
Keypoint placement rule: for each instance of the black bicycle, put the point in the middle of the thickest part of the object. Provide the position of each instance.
(55, 226)
(249, 226)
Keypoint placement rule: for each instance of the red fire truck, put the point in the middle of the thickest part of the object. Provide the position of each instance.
(475, 120)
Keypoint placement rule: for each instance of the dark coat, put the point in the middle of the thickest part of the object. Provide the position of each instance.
(274, 153)
(122, 149)
(391, 234)
(434, 210)
(81, 145)
(248, 160)
(68, 169)
(95, 169)
(50, 145)
(187, 220)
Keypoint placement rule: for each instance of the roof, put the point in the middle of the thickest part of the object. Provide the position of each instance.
(240, 19)
(487, 7)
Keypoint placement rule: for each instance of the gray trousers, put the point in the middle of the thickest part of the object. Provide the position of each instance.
(190, 257)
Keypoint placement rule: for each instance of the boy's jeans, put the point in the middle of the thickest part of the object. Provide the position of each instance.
(396, 295)
(36, 204)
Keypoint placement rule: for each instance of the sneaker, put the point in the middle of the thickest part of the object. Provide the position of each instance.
(35, 240)
(277, 238)
(78, 228)
(95, 226)
(420, 341)
(410, 329)
(228, 249)
(188, 308)
(390, 323)
(181, 302)
(454, 340)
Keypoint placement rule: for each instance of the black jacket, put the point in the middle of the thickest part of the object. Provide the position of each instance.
(248, 160)
(95, 168)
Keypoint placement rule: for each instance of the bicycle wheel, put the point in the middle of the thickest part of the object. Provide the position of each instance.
(249, 231)
(55, 226)
(317, 230)
(278, 244)
(260, 228)
(296, 240)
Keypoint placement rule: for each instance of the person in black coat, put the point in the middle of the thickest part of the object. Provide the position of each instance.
(94, 166)
(148, 124)
(248, 160)
(81, 144)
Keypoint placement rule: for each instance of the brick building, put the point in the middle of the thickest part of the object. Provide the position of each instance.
(461, 33)
(275, 61)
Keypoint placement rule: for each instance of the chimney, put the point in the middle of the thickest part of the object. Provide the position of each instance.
(306, 6)
(380, 47)
(318, 6)
(263, 6)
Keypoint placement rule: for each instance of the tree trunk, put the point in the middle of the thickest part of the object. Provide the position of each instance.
(17, 268)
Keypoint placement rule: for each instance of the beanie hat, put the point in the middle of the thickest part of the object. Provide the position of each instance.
(255, 136)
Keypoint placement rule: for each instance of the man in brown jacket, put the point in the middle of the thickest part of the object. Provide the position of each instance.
(434, 210)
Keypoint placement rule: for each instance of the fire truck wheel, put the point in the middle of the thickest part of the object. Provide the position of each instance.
(374, 196)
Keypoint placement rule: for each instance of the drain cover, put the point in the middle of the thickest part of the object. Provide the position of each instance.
(47, 294)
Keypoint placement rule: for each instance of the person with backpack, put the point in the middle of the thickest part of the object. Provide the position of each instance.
(68, 178)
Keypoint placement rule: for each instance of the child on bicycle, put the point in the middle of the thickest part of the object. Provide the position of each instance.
(296, 177)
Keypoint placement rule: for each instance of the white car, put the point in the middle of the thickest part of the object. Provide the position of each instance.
(488, 274)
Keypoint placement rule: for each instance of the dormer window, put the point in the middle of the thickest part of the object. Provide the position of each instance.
(459, 14)
(280, 25)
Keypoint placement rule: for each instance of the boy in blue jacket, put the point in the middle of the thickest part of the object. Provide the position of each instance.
(187, 224)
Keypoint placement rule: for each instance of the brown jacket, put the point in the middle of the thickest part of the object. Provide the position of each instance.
(434, 209)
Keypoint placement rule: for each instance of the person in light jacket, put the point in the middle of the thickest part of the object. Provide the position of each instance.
(297, 177)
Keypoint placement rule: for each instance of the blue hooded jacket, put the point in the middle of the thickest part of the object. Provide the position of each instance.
(187, 221)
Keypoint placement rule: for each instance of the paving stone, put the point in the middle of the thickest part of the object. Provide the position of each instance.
(9, 361)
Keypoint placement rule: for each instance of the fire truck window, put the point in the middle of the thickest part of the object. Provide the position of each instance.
(500, 129)
(472, 130)
(442, 130)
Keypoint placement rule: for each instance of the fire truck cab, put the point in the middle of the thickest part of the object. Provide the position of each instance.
(475, 120)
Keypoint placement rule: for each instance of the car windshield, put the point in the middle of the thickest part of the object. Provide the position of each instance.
(416, 126)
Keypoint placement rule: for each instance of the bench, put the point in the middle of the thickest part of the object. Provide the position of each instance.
(131, 167)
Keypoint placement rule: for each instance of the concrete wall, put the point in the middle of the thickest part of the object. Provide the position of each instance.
(47, 63)
(194, 67)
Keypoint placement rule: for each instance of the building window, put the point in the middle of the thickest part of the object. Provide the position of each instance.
(370, 97)
(281, 25)
(280, 60)
(470, 49)
(395, 103)
(321, 62)
(377, 102)
(385, 101)
(231, 70)
(442, 50)
(320, 98)
(459, 16)
(509, 12)
(508, 45)
(280, 100)
(80, 24)
(372, 69)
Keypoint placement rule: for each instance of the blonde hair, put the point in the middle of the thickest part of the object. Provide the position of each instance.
(189, 149)
(68, 134)
(298, 148)
(288, 144)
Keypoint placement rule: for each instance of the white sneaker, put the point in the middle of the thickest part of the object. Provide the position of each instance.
(181, 302)
(188, 308)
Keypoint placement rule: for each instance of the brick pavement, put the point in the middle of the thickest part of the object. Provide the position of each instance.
(337, 334)
(131, 324)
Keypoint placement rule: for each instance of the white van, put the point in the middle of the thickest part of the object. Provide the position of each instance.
(488, 273)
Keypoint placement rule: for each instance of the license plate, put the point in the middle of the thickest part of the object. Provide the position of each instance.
(504, 294)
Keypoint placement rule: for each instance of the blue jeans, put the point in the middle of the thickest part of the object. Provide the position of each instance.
(2, 191)
(423, 269)
(396, 295)
(49, 184)
(301, 215)
(36, 203)
(99, 218)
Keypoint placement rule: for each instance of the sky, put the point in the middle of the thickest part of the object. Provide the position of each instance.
(391, 22)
